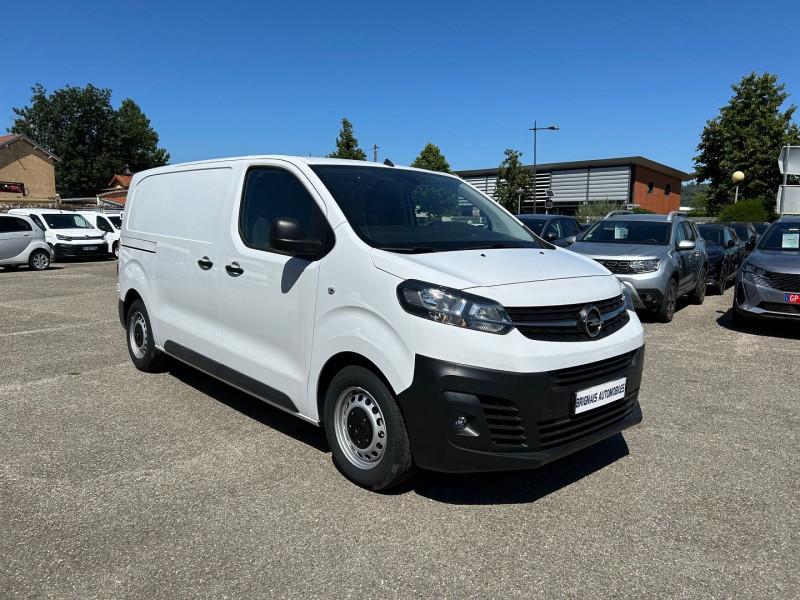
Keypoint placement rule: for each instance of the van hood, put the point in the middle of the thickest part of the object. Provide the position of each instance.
(465, 269)
(78, 234)
(618, 250)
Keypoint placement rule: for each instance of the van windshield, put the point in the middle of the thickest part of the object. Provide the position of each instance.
(62, 221)
(416, 211)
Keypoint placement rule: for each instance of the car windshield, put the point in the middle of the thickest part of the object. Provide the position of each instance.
(760, 227)
(712, 235)
(535, 225)
(416, 211)
(652, 233)
(740, 229)
(781, 236)
(66, 221)
(116, 222)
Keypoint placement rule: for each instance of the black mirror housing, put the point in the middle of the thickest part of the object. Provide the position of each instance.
(286, 236)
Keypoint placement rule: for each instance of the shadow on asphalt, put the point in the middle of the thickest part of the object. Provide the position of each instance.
(505, 487)
(648, 316)
(787, 330)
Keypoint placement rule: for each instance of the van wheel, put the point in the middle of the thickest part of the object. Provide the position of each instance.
(366, 431)
(144, 354)
(39, 260)
(699, 293)
(667, 309)
(115, 250)
(52, 253)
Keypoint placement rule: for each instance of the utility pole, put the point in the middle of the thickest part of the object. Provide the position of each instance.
(375, 153)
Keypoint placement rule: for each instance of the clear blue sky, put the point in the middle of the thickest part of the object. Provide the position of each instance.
(232, 78)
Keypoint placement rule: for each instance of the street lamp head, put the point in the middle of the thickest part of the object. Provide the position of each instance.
(737, 177)
(553, 127)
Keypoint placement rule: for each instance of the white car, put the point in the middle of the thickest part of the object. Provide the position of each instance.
(110, 223)
(358, 297)
(22, 243)
(67, 233)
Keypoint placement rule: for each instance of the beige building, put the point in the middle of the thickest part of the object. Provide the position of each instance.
(27, 172)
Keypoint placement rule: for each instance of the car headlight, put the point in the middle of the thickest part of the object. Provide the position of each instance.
(748, 268)
(757, 275)
(452, 307)
(65, 238)
(645, 266)
(626, 296)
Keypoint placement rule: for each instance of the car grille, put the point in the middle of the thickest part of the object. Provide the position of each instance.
(505, 423)
(785, 282)
(788, 309)
(617, 266)
(602, 369)
(558, 432)
(560, 323)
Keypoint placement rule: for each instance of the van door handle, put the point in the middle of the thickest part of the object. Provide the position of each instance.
(234, 270)
(205, 263)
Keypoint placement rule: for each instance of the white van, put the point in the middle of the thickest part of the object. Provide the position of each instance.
(108, 222)
(67, 233)
(408, 314)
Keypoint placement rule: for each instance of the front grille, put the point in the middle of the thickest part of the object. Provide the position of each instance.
(583, 374)
(557, 432)
(505, 423)
(787, 309)
(560, 323)
(616, 266)
(786, 282)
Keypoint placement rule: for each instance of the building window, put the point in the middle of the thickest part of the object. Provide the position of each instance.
(667, 189)
(650, 188)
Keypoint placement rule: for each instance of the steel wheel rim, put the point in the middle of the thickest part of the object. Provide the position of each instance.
(40, 261)
(137, 335)
(360, 428)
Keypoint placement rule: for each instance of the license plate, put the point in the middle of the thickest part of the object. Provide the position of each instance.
(792, 298)
(87, 248)
(600, 395)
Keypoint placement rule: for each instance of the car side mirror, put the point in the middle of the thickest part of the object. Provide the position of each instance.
(686, 245)
(571, 240)
(286, 235)
(750, 245)
(551, 236)
(730, 244)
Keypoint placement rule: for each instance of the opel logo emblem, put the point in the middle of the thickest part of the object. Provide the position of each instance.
(590, 321)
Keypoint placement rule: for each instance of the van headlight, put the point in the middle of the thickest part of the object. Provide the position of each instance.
(453, 307)
(626, 297)
(64, 238)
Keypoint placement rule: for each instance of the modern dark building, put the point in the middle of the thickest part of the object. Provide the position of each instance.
(633, 180)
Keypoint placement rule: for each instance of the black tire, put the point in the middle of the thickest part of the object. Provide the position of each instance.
(666, 311)
(722, 282)
(52, 253)
(699, 293)
(115, 250)
(141, 346)
(366, 430)
(39, 260)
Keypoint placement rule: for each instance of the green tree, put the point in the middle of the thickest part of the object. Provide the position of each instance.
(690, 191)
(93, 140)
(744, 211)
(347, 144)
(593, 211)
(747, 136)
(512, 180)
(431, 158)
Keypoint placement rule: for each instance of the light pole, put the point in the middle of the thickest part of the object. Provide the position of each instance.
(534, 129)
(519, 200)
(737, 178)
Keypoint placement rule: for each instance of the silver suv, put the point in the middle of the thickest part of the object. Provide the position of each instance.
(657, 257)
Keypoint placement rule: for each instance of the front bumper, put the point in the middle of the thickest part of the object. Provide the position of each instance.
(643, 298)
(754, 300)
(89, 248)
(514, 420)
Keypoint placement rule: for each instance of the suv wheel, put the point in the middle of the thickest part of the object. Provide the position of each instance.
(366, 430)
(667, 309)
(699, 293)
(722, 282)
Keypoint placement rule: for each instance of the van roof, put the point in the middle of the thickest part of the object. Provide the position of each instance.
(309, 160)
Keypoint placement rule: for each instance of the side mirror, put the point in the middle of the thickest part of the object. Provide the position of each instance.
(551, 236)
(570, 240)
(750, 245)
(286, 236)
(687, 245)
(730, 244)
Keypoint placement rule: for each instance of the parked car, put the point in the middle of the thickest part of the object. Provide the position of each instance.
(725, 254)
(22, 243)
(657, 257)
(557, 229)
(746, 233)
(110, 223)
(67, 233)
(768, 286)
(331, 289)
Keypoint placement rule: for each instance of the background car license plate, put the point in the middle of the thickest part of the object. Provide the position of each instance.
(85, 248)
(600, 395)
(792, 298)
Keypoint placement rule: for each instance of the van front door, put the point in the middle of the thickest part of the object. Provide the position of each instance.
(267, 299)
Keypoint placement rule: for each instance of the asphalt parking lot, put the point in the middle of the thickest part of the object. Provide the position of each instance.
(116, 483)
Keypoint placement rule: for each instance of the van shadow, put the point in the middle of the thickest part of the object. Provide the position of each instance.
(787, 330)
(649, 316)
(519, 487)
(250, 406)
(505, 487)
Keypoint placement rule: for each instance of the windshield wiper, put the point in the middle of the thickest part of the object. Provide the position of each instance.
(412, 250)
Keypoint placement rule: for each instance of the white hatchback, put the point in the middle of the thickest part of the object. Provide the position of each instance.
(22, 243)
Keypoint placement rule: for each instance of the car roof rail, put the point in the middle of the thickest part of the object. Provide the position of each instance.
(675, 213)
(618, 212)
